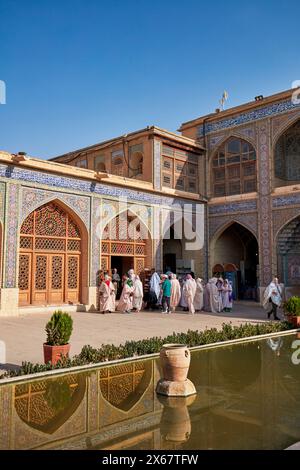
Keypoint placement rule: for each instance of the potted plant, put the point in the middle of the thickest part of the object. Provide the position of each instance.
(59, 330)
(292, 310)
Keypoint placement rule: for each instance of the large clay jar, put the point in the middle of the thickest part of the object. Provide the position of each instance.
(175, 361)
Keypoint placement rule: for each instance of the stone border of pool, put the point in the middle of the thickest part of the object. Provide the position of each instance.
(88, 367)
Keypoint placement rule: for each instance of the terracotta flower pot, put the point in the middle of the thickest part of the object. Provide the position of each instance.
(294, 320)
(54, 353)
(175, 361)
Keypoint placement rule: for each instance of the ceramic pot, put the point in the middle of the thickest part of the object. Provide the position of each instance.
(54, 353)
(175, 361)
(294, 320)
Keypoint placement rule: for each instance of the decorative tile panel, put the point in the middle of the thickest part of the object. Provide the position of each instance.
(33, 198)
(12, 210)
(265, 219)
(95, 241)
(79, 185)
(247, 220)
(231, 207)
(280, 123)
(281, 217)
(285, 201)
(249, 116)
(2, 200)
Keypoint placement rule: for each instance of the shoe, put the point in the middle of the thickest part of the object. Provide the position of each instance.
(276, 318)
(164, 311)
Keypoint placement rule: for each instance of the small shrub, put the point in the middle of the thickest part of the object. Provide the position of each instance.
(59, 328)
(292, 306)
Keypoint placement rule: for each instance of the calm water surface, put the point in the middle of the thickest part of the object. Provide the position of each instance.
(248, 398)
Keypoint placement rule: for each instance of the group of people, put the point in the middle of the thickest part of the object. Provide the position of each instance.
(131, 295)
(165, 292)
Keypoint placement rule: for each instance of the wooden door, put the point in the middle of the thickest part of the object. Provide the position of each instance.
(139, 265)
(40, 279)
(25, 275)
(72, 278)
(55, 294)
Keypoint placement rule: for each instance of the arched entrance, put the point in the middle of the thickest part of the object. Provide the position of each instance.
(126, 244)
(50, 257)
(172, 253)
(288, 253)
(237, 246)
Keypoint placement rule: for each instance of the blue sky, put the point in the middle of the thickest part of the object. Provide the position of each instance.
(78, 72)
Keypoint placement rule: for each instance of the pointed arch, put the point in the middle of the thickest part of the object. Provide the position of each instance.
(288, 252)
(126, 243)
(234, 243)
(53, 256)
(233, 167)
(286, 155)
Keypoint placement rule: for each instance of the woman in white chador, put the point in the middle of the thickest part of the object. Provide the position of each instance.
(189, 290)
(137, 293)
(273, 296)
(175, 292)
(107, 295)
(227, 296)
(125, 302)
(198, 299)
(212, 296)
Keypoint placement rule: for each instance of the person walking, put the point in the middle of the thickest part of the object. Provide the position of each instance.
(166, 293)
(175, 292)
(125, 302)
(116, 280)
(107, 295)
(227, 296)
(273, 296)
(189, 291)
(198, 299)
(137, 294)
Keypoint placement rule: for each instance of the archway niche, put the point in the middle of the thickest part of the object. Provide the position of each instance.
(288, 254)
(52, 269)
(237, 247)
(287, 157)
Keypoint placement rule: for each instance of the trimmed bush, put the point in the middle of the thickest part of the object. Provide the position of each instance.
(59, 329)
(292, 306)
(109, 352)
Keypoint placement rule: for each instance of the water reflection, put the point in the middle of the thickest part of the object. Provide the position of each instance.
(248, 398)
(175, 424)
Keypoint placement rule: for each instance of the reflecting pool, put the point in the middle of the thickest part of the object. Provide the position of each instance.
(248, 397)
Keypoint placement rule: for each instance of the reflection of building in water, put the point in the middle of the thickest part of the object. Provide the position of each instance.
(117, 407)
(46, 404)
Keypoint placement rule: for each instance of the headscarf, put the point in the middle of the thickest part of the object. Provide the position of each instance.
(154, 284)
(107, 280)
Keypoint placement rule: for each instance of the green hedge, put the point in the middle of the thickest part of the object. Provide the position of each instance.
(109, 352)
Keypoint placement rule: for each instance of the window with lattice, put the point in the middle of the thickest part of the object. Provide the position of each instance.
(234, 168)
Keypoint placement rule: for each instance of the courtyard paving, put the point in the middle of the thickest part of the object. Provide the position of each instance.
(24, 335)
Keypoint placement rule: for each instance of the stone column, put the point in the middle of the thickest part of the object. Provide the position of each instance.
(94, 253)
(264, 205)
(10, 291)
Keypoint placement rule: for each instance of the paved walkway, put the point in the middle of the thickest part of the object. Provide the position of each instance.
(24, 335)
